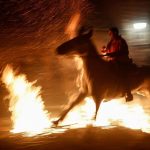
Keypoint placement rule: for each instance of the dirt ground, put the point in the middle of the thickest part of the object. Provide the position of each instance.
(89, 138)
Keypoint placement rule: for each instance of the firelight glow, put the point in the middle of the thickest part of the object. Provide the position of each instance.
(140, 25)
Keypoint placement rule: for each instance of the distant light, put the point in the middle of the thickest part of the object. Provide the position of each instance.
(141, 25)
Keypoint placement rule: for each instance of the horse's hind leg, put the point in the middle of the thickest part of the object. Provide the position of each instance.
(77, 100)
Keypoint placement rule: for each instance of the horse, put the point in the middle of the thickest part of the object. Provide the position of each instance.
(100, 79)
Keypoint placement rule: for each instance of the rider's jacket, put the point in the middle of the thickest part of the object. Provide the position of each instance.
(117, 50)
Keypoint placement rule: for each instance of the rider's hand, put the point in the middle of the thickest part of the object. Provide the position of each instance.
(104, 50)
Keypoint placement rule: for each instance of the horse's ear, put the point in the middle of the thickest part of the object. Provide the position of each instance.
(90, 33)
(86, 31)
(82, 30)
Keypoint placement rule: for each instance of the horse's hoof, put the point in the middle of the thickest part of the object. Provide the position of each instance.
(55, 123)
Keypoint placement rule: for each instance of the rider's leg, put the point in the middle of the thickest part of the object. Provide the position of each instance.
(125, 79)
(97, 101)
(129, 96)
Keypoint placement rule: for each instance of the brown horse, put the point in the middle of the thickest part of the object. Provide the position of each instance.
(100, 80)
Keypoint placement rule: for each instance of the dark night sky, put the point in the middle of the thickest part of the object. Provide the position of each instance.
(117, 11)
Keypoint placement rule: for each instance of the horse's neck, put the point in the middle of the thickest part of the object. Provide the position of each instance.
(92, 61)
(93, 57)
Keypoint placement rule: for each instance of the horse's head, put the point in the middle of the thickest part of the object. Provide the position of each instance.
(76, 45)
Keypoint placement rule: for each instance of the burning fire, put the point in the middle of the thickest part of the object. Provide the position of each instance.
(29, 114)
(26, 105)
(111, 113)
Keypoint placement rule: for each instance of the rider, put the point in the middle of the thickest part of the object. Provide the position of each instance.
(117, 51)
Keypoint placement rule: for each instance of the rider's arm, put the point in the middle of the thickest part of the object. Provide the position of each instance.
(122, 50)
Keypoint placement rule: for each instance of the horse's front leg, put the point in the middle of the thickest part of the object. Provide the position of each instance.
(76, 101)
(97, 101)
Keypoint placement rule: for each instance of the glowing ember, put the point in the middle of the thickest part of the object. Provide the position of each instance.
(26, 105)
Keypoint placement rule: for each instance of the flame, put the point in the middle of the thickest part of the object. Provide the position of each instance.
(72, 25)
(26, 105)
(29, 114)
(112, 113)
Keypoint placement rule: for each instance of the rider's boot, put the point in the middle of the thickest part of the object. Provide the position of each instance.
(129, 96)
